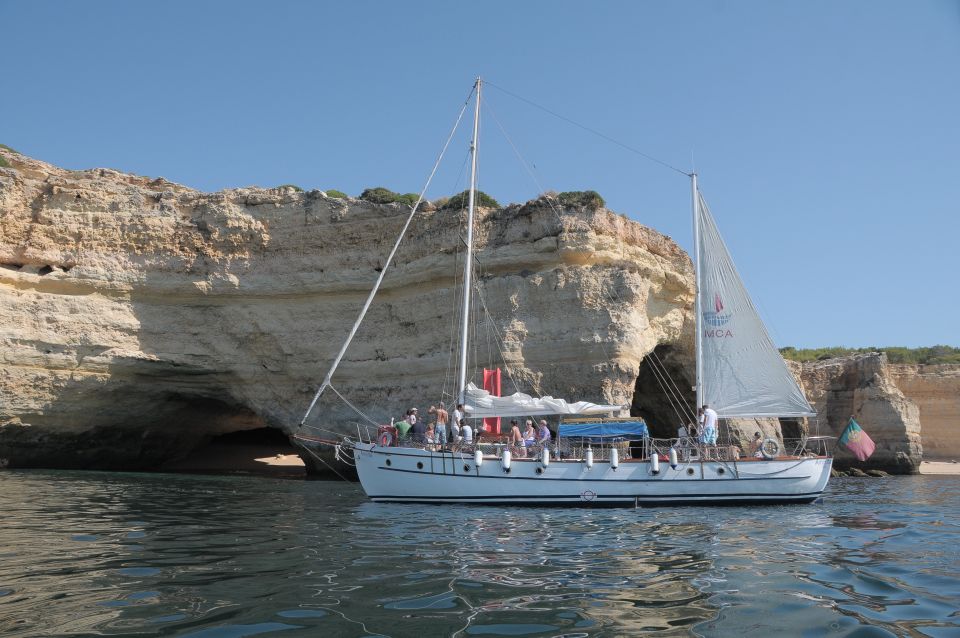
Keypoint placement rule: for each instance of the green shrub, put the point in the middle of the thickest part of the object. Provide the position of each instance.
(895, 354)
(13, 150)
(584, 199)
(379, 195)
(334, 193)
(4, 163)
(460, 200)
(293, 186)
(410, 199)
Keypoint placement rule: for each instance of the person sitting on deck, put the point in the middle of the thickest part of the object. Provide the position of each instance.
(466, 432)
(529, 434)
(757, 445)
(430, 437)
(515, 436)
(543, 434)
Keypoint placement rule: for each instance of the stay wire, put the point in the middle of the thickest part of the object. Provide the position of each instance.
(588, 129)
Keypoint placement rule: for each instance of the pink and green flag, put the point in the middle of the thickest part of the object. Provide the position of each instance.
(857, 441)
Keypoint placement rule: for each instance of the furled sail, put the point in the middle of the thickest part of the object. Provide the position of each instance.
(743, 374)
(480, 403)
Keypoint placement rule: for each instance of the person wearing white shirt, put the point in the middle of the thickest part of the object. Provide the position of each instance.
(466, 432)
(709, 422)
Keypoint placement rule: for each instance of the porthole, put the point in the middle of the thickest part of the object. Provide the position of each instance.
(419, 465)
(689, 471)
(466, 468)
(721, 471)
(539, 470)
(389, 463)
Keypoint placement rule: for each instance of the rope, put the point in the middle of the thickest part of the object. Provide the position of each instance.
(588, 129)
(386, 265)
(690, 411)
(353, 407)
(331, 468)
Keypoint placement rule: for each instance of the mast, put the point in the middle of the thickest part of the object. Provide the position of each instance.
(468, 260)
(698, 383)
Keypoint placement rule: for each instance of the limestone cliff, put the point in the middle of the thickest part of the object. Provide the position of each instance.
(863, 386)
(140, 317)
(936, 391)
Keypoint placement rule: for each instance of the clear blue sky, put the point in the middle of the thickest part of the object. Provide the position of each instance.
(826, 134)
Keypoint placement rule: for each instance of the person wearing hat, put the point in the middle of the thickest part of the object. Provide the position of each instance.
(417, 428)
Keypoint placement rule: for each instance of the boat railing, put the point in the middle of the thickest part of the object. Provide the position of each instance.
(689, 449)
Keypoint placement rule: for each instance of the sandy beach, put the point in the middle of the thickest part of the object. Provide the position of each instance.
(940, 467)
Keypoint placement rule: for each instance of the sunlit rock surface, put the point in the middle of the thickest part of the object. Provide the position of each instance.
(139, 318)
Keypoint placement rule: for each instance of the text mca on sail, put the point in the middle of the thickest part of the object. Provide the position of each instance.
(715, 319)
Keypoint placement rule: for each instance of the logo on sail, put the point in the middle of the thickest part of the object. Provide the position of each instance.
(717, 317)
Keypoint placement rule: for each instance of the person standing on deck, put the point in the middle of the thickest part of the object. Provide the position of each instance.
(456, 423)
(709, 431)
(441, 427)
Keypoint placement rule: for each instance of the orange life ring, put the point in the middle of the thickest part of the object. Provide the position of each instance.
(386, 439)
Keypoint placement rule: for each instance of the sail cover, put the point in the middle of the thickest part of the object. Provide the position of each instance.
(743, 374)
(480, 403)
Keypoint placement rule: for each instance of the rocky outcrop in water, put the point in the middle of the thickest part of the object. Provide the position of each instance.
(936, 391)
(863, 386)
(139, 318)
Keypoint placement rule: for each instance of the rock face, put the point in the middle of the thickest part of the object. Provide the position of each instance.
(139, 318)
(936, 391)
(863, 386)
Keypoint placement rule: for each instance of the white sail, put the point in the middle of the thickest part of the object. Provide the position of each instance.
(743, 374)
(480, 403)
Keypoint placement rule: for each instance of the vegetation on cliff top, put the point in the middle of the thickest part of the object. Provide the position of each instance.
(895, 354)
(462, 199)
(4, 163)
(381, 195)
(334, 193)
(586, 199)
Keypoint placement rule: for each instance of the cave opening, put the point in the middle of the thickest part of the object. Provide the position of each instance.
(262, 450)
(665, 377)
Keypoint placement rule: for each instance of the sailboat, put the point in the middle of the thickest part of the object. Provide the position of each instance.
(599, 458)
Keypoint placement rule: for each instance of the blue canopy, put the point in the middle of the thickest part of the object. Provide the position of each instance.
(617, 429)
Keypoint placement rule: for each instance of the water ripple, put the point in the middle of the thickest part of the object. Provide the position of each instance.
(224, 557)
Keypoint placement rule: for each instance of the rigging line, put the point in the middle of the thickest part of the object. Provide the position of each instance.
(673, 393)
(516, 151)
(667, 394)
(588, 129)
(317, 456)
(448, 376)
(690, 411)
(499, 341)
(352, 406)
(386, 265)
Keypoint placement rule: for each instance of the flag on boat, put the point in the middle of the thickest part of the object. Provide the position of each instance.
(857, 441)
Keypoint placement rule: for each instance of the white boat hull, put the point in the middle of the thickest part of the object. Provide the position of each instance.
(398, 474)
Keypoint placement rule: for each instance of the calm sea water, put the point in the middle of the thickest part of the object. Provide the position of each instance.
(84, 554)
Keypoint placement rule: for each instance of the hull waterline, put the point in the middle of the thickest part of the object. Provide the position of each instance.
(413, 475)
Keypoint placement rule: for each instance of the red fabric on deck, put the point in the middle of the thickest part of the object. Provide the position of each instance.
(491, 383)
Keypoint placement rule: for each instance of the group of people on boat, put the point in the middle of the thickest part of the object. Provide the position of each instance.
(531, 436)
(412, 426)
(445, 428)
